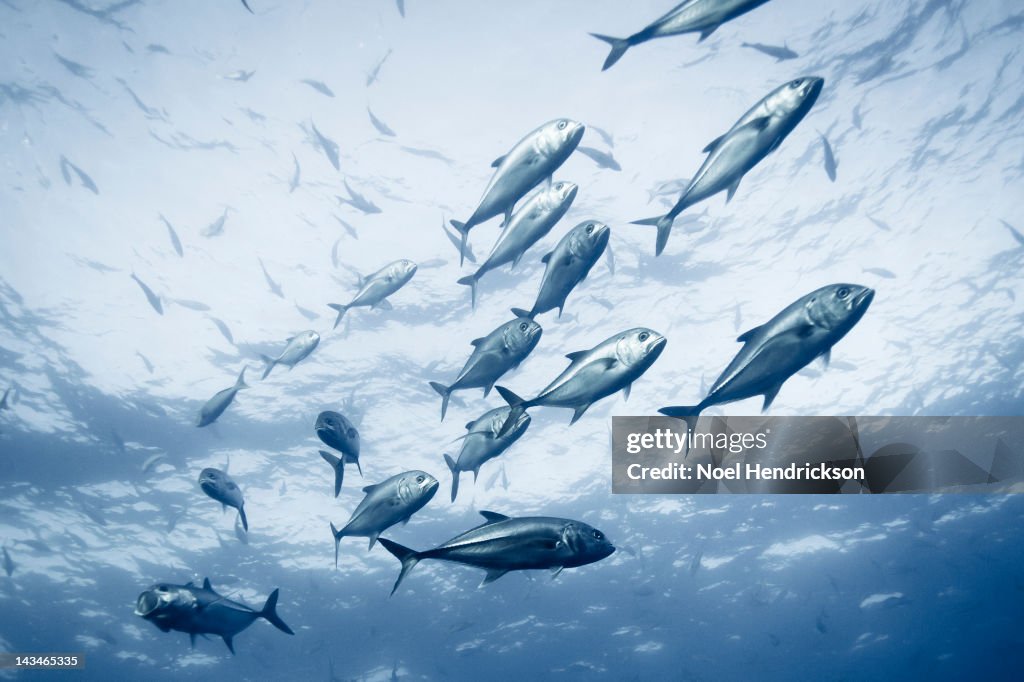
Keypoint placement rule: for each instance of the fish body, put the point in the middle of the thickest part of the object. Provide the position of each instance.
(8, 563)
(5, 406)
(691, 16)
(482, 443)
(568, 265)
(216, 228)
(329, 147)
(493, 355)
(319, 86)
(358, 201)
(219, 486)
(296, 175)
(504, 544)
(201, 611)
(531, 161)
(755, 135)
(175, 242)
(391, 501)
(153, 299)
(275, 288)
(381, 127)
(526, 227)
(299, 347)
(775, 351)
(612, 365)
(374, 73)
(780, 53)
(216, 405)
(337, 432)
(375, 289)
(223, 329)
(602, 159)
(830, 159)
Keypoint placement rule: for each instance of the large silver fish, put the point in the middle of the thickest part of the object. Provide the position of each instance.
(298, 349)
(218, 485)
(391, 501)
(504, 544)
(493, 355)
(482, 443)
(526, 227)
(568, 265)
(758, 133)
(612, 365)
(216, 405)
(775, 351)
(201, 611)
(533, 160)
(692, 16)
(374, 289)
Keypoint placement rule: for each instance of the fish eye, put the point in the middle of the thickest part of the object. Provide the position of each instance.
(420, 479)
(590, 228)
(843, 293)
(796, 84)
(561, 125)
(598, 535)
(644, 336)
(351, 433)
(523, 326)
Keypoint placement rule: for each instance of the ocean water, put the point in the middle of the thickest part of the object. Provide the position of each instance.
(116, 117)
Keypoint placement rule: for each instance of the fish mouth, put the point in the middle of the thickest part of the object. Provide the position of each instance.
(146, 604)
(432, 486)
(816, 83)
(602, 236)
(657, 347)
(864, 298)
(577, 134)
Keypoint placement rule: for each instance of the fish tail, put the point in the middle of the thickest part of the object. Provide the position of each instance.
(338, 464)
(445, 392)
(408, 557)
(245, 521)
(519, 312)
(470, 281)
(518, 406)
(269, 362)
(664, 224)
(619, 47)
(688, 413)
(338, 535)
(270, 613)
(464, 239)
(342, 309)
(455, 475)
(240, 383)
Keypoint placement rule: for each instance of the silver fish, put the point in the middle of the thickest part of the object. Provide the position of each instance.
(1013, 231)
(223, 328)
(374, 289)
(374, 73)
(153, 299)
(482, 443)
(175, 242)
(240, 75)
(145, 361)
(9, 565)
(454, 239)
(299, 347)
(83, 177)
(219, 486)
(216, 405)
(381, 127)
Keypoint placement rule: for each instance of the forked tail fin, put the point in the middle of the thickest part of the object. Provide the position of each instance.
(445, 393)
(455, 475)
(342, 309)
(664, 224)
(270, 613)
(408, 557)
(619, 47)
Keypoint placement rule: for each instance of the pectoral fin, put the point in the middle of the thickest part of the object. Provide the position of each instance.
(578, 413)
(706, 32)
(497, 162)
(556, 571)
(492, 576)
(383, 304)
(732, 189)
(625, 392)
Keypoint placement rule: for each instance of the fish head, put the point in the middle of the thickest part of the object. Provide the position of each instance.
(588, 238)
(310, 339)
(165, 605)
(638, 348)
(220, 487)
(837, 307)
(518, 429)
(403, 270)
(560, 137)
(338, 432)
(416, 488)
(521, 336)
(585, 544)
(794, 99)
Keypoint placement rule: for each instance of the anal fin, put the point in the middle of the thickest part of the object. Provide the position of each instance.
(491, 576)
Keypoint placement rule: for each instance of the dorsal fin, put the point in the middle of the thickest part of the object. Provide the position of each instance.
(493, 517)
(369, 488)
(714, 143)
(469, 425)
(207, 585)
(747, 335)
(477, 342)
(497, 161)
(575, 355)
(546, 257)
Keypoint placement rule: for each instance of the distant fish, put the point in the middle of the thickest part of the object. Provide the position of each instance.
(358, 201)
(76, 69)
(348, 228)
(275, 288)
(152, 461)
(156, 48)
(83, 177)
(667, 188)
(223, 328)
(299, 347)
(603, 159)
(456, 241)
(1016, 235)
(428, 154)
(175, 242)
(145, 361)
(781, 54)
(319, 86)
(433, 263)
(216, 228)
(374, 73)
(294, 182)
(881, 272)
(329, 147)
(307, 313)
(191, 305)
(401, 7)
(830, 159)
(374, 289)
(695, 561)
(215, 406)
(153, 299)
(605, 135)
(334, 252)
(241, 76)
(856, 118)
(245, 4)
(880, 224)
(8, 563)
(381, 127)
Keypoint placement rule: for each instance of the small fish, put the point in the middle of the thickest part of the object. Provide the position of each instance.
(380, 125)
(455, 240)
(334, 252)
(294, 182)
(881, 272)
(153, 299)
(175, 242)
(880, 224)
(307, 313)
(858, 121)
(191, 305)
(482, 443)
(1016, 235)
(76, 69)
(223, 328)
(298, 349)
(275, 288)
(427, 154)
(152, 461)
(336, 431)
(372, 76)
(82, 176)
(219, 486)
(375, 288)
(216, 405)
(329, 147)
(319, 86)
(241, 76)
(781, 54)
(216, 228)
(9, 565)
(358, 201)
(145, 361)
(245, 4)
(348, 228)
(605, 135)
(695, 561)
(830, 159)
(603, 159)
(401, 10)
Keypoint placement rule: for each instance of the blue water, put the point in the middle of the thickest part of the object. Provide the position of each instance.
(193, 112)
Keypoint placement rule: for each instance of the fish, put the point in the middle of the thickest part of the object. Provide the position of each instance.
(534, 219)
(428, 154)
(567, 265)
(612, 365)
(374, 73)
(241, 75)
(667, 188)
(856, 118)
(9, 564)
(493, 355)
(153, 299)
(1013, 231)
(275, 288)
(191, 305)
(533, 160)
(603, 159)
(201, 611)
(293, 184)
(881, 272)
(329, 147)
(381, 127)
(401, 7)
(145, 361)
(348, 228)
(454, 239)
(83, 177)
(298, 349)
(319, 86)
(805, 330)
(755, 135)
(482, 443)
(216, 405)
(605, 135)
(375, 288)
(880, 224)
(393, 500)
(502, 544)
(358, 201)
(781, 54)
(175, 242)
(306, 313)
(830, 159)
(216, 228)
(152, 461)
(690, 16)
(76, 69)
(695, 561)
(223, 328)
(336, 431)
(220, 487)
(245, 4)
